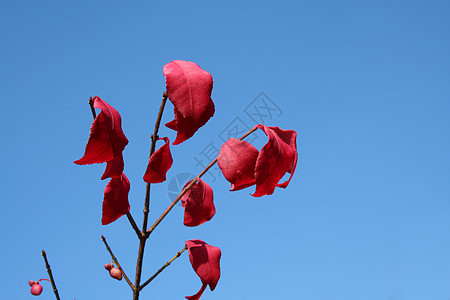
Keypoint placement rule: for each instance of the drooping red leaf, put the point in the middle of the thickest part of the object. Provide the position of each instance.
(114, 167)
(243, 166)
(237, 160)
(276, 158)
(198, 204)
(115, 201)
(189, 89)
(106, 140)
(290, 137)
(159, 163)
(205, 260)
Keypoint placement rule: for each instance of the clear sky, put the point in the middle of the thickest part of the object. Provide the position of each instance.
(364, 83)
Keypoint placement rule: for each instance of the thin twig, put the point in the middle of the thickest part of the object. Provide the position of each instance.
(174, 202)
(117, 263)
(49, 271)
(162, 268)
(135, 227)
(140, 258)
(154, 138)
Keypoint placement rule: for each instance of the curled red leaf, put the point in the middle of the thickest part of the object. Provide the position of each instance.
(243, 165)
(290, 137)
(159, 163)
(106, 140)
(115, 201)
(189, 89)
(237, 160)
(198, 204)
(205, 260)
(276, 158)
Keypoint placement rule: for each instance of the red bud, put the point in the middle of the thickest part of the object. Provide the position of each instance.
(36, 289)
(115, 273)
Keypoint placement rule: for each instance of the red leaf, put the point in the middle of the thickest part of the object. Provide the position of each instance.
(198, 204)
(205, 259)
(159, 163)
(115, 201)
(106, 140)
(189, 89)
(243, 166)
(290, 137)
(277, 156)
(237, 161)
(114, 167)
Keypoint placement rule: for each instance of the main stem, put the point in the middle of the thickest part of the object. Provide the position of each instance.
(144, 236)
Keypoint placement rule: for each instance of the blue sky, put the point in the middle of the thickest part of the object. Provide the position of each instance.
(364, 83)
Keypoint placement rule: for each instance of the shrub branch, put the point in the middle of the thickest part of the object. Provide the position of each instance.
(117, 263)
(163, 267)
(49, 271)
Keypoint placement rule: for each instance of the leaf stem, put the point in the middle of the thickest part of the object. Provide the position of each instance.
(163, 267)
(49, 271)
(174, 202)
(117, 263)
(91, 104)
(144, 238)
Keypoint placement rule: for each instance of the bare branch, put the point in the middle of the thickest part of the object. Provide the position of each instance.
(162, 268)
(49, 271)
(117, 263)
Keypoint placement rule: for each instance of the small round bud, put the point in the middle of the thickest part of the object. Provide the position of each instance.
(108, 267)
(36, 289)
(31, 282)
(115, 273)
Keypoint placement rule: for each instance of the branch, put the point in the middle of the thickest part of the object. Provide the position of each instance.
(162, 268)
(174, 202)
(152, 150)
(117, 263)
(133, 224)
(49, 271)
(140, 258)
